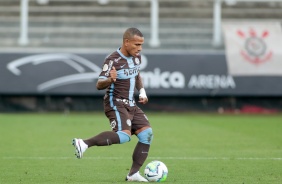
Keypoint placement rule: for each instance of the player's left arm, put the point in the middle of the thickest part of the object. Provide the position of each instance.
(143, 99)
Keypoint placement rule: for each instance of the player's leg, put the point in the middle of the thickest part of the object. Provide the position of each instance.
(143, 131)
(141, 150)
(120, 133)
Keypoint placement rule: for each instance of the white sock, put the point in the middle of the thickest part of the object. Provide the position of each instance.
(83, 145)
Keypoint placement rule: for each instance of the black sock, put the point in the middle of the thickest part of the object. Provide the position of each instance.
(103, 139)
(139, 156)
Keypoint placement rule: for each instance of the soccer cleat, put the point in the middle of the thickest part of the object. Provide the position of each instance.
(136, 177)
(79, 148)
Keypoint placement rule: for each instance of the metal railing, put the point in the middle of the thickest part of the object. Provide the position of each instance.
(154, 41)
(23, 39)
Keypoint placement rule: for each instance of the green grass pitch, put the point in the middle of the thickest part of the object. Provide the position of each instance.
(197, 149)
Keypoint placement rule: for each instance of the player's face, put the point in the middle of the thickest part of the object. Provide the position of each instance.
(134, 45)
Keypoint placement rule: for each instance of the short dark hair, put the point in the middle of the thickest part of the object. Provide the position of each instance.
(131, 32)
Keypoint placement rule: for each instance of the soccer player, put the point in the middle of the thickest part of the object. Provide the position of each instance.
(120, 76)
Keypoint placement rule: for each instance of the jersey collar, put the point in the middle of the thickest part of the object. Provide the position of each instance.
(121, 54)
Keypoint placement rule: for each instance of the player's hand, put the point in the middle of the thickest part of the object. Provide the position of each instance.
(113, 74)
(143, 100)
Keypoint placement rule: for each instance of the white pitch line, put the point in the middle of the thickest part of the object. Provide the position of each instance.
(156, 158)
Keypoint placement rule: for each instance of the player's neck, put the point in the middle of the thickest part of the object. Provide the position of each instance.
(124, 52)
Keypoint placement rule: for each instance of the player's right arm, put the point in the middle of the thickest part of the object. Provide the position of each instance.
(104, 83)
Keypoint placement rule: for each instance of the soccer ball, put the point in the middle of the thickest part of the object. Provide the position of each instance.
(156, 171)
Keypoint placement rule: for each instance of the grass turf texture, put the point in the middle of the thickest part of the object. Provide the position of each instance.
(197, 148)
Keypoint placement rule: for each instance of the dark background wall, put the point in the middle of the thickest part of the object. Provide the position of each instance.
(174, 82)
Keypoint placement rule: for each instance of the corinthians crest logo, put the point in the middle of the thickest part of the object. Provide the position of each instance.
(255, 49)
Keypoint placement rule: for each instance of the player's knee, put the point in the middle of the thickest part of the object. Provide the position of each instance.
(146, 136)
(123, 137)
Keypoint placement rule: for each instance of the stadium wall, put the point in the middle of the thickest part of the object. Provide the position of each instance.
(174, 82)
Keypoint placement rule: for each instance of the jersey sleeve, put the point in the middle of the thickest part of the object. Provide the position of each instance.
(108, 64)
